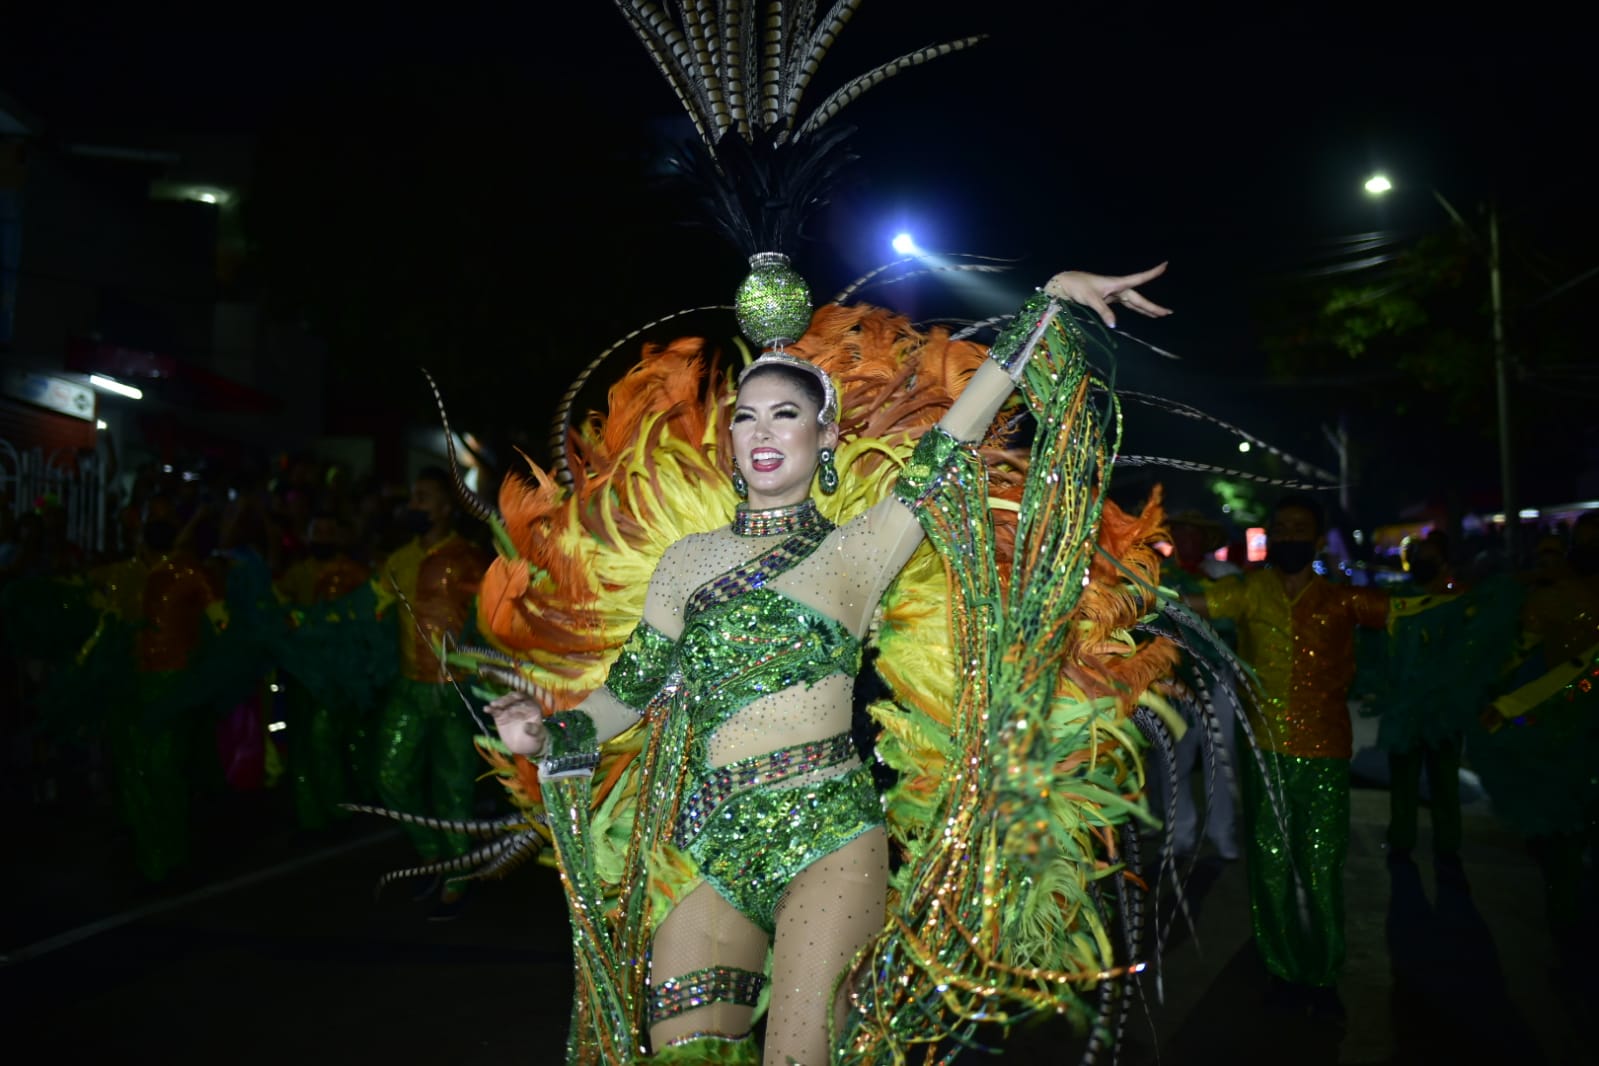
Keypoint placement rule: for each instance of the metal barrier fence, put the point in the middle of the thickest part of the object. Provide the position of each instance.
(77, 481)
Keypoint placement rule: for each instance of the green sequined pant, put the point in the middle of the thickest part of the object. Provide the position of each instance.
(426, 763)
(325, 762)
(1442, 761)
(1296, 879)
(150, 757)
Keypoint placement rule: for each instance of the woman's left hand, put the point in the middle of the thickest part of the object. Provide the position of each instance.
(1098, 292)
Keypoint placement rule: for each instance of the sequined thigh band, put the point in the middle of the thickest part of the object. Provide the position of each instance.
(725, 782)
(716, 984)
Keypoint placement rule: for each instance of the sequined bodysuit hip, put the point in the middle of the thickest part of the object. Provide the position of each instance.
(754, 823)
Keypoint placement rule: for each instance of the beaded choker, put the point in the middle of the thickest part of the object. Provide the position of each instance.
(801, 517)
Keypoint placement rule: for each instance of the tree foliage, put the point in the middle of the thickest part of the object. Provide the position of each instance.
(1420, 319)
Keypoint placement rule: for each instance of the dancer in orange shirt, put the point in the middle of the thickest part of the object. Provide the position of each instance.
(425, 757)
(1298, 632)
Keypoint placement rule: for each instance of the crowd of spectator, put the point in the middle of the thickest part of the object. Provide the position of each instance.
(244, 538)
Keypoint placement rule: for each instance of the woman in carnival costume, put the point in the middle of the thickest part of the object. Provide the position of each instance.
(741, 672)
(680, 686)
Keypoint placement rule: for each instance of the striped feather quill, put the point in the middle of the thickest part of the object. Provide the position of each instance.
(740, 71)
(912, 265)
(733, 51)
(1207, 468)
(699, 24)
(817, 45)
(771, 63)
(852, 91)
(652, 28)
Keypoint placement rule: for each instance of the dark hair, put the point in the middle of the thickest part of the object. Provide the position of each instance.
(1306, 503)
(439, 476)
(803, 380)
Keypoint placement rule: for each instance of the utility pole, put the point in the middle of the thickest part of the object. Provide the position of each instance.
(1507, 473)
(1507, 477)
(1339, 439)
(1378, 185)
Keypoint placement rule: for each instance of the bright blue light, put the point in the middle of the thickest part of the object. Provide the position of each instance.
(905, 244)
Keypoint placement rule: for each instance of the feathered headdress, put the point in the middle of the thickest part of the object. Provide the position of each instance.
(759, 169)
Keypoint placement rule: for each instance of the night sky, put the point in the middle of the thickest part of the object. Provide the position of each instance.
(1106, 138)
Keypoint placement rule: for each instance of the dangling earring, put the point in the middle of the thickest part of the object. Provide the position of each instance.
(740, 486)
(828, 473)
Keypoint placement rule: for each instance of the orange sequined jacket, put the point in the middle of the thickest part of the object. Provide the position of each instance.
(177, 595)
(440, 584)
(1303, 651)
(318, 581)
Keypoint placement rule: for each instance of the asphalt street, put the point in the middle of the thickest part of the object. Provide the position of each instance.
(275, 949)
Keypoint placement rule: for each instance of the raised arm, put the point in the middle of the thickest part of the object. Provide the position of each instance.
(993, 383)
(890, 532)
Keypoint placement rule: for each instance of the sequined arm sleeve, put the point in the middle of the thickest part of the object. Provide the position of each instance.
(638, 673)
(892, 533)
(634, 679)
(933, 460)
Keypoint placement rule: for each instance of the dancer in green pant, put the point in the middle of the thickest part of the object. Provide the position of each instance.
(151, 755)
(1298, 632)
(425, 757)
(427, 761)
(329, 667)
(152, 737)
(1444, 647)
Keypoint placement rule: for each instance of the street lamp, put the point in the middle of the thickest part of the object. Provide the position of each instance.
(1377, 185)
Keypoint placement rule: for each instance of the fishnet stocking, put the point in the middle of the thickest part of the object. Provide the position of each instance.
(831, 910)
(703, 931)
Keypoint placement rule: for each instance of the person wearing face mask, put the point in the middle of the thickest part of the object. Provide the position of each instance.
(425, 758)
(1440, 652)
(1297, 631)
(328, 758)
(1410, 743)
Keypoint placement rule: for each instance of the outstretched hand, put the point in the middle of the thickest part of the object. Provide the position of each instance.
(520, 721)
(1098, 292)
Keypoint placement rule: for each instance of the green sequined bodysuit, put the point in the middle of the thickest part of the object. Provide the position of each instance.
(753, 823)
(749, 828)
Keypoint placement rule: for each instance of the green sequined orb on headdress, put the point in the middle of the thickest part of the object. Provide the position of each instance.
(773, 302)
